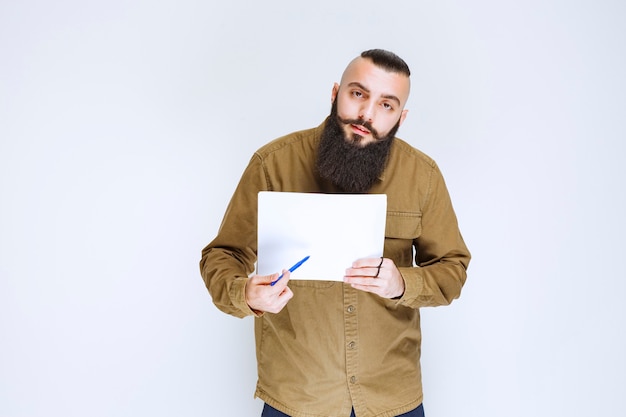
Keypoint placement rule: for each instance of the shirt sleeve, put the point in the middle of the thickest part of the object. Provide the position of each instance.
(230, 258)
(441, 255)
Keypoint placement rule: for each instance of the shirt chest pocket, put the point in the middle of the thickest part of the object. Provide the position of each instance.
(401, 230)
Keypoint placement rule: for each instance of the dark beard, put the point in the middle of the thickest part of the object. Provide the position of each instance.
(345, 163)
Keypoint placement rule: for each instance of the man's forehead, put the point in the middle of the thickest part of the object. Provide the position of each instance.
(363, 71)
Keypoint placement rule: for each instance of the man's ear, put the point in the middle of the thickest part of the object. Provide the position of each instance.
(334, 93)
(403, 116)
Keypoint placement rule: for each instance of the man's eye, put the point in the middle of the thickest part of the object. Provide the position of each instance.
(357, 94)
(387, 106)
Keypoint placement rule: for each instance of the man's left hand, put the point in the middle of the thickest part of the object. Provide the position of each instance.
(376, 275)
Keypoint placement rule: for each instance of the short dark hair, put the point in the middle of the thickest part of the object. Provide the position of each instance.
(387, 60)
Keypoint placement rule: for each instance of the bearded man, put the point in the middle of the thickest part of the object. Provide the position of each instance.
(351, 348)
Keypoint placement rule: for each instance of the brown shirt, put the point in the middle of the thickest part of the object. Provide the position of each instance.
(333, 347)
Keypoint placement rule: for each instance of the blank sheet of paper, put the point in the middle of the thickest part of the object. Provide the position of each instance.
(333, 229)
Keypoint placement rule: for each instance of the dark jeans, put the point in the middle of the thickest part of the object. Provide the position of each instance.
(272, 412)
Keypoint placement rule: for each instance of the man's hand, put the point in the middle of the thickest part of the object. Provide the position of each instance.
(376, 275)
(261, 296)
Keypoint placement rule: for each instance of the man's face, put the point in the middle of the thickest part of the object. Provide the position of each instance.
(370, 101)
(344, 162)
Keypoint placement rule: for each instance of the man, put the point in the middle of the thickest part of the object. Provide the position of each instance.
(353, 348)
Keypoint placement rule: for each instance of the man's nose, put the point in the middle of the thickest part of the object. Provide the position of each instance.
(367, 112)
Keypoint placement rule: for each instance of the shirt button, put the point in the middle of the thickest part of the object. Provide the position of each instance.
(352, 379)
(351, 309)
(351, 345)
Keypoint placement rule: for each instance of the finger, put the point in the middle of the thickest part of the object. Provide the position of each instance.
(369, 272)
(366, 263)
(281, 300)
(363, 281)
(368, 288)
(281, 280)
(263, 279)
(286, 294)
(374, 273)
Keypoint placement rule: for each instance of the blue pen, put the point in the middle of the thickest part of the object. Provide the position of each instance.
(293, 268)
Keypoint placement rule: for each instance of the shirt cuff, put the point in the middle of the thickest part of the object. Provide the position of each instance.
(413, 285)
(237, 294)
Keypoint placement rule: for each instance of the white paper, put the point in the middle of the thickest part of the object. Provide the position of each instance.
(333, 229)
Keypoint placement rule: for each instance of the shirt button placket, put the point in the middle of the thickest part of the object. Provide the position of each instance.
(351, 337)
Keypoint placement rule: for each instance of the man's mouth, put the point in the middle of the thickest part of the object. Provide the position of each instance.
(360, 129)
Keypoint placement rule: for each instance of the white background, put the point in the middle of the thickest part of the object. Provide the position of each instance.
(125, 125)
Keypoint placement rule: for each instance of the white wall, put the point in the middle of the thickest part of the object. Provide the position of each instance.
(124, 127)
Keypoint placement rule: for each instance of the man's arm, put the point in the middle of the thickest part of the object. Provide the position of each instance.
(441, 255)
(229, 259)
(441, 258)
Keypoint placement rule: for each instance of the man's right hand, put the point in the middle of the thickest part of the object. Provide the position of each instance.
(261, 296)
